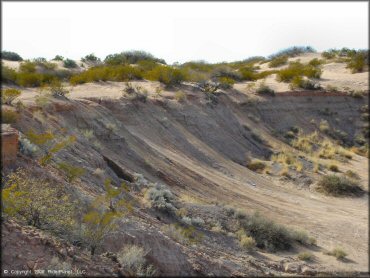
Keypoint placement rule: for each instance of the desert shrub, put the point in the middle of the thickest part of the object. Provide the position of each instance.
(29, 79)
(293, 51)
(337, 252)
(27, 67)
(161, 198)
(91, 58)
(226, 82)
(9, 116)
(8, 95)
(359, 61)
(333, 168)
(132, 260)
(357, 94)
(196, 221)
(256, 165)
(339, 186)
(8, 75)
(37, 202)
(267, 234)
(278, 61)
(104, 73)
(26, 147)
(298, 69)
(167, 75)
(289, 135)
(305, 256)
(131, 57)
(57, 89)
(329, 54)
(180, 96)
(265, 90)
(246, 242)
(299, 82)
(68, 63)
(71, 172)
(226, 72)
(324, 126)
(352, 175)
(10, 56)
(315, 62)
(183, 233)
(303, 238)
(58, 58)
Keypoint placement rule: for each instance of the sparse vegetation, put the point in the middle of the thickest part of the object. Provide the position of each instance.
(256, 165)
(297, 69)
(263, 89)
(71, 172)
(68, 63)
(278, 61)
(161, 198)
(9, 116)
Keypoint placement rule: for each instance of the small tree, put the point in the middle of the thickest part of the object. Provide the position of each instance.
(58, 58)
(8, 95)
(103, 213)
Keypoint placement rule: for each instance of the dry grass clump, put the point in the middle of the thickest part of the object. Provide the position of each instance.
(245, 241)
(9, 116)
(8, 95)
(333, 167)
(337, 252)
(305, 256)
(180, 96)
(132, 260)
(256, 165)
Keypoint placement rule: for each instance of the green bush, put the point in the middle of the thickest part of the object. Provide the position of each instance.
(299, 82)
(90, 58)
(278, 61)
(315, 62)
(107, 73)
(359, 62)
(293, 51)
(10, 56)
(131, 57)
(329, 54)
(161, 198)
(297, 69)
(167, 75)
(8, 75)
(267, 234)
(339, 186)
(27, 67)
(58, 58)
(8, 95)
(68, 63)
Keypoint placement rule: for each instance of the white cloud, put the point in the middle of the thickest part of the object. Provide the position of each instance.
(181, 31)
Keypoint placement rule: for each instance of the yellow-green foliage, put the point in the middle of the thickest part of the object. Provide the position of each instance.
(46, 140)
(298, 69)
(103, 212)
(284, 157)
(337, 252)
(339, 186)
(167, 75)
(358, 62)
(8, 95)
(36, 201)
(245, 241)
(184, 233)
(9, 116)
(107, 73)
(256, 165)
(278, 61)
(71, 172)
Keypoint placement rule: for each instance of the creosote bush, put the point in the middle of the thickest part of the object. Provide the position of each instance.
(305, 256)
(298, 69)
(263, 89)
(278, 61)
(339, 186)
(71, 172)
(256, 165)
(68, 63)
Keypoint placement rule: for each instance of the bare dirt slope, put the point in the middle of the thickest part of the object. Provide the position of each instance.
(200, 151)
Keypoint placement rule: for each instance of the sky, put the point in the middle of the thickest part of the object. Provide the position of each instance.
(180, 31)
